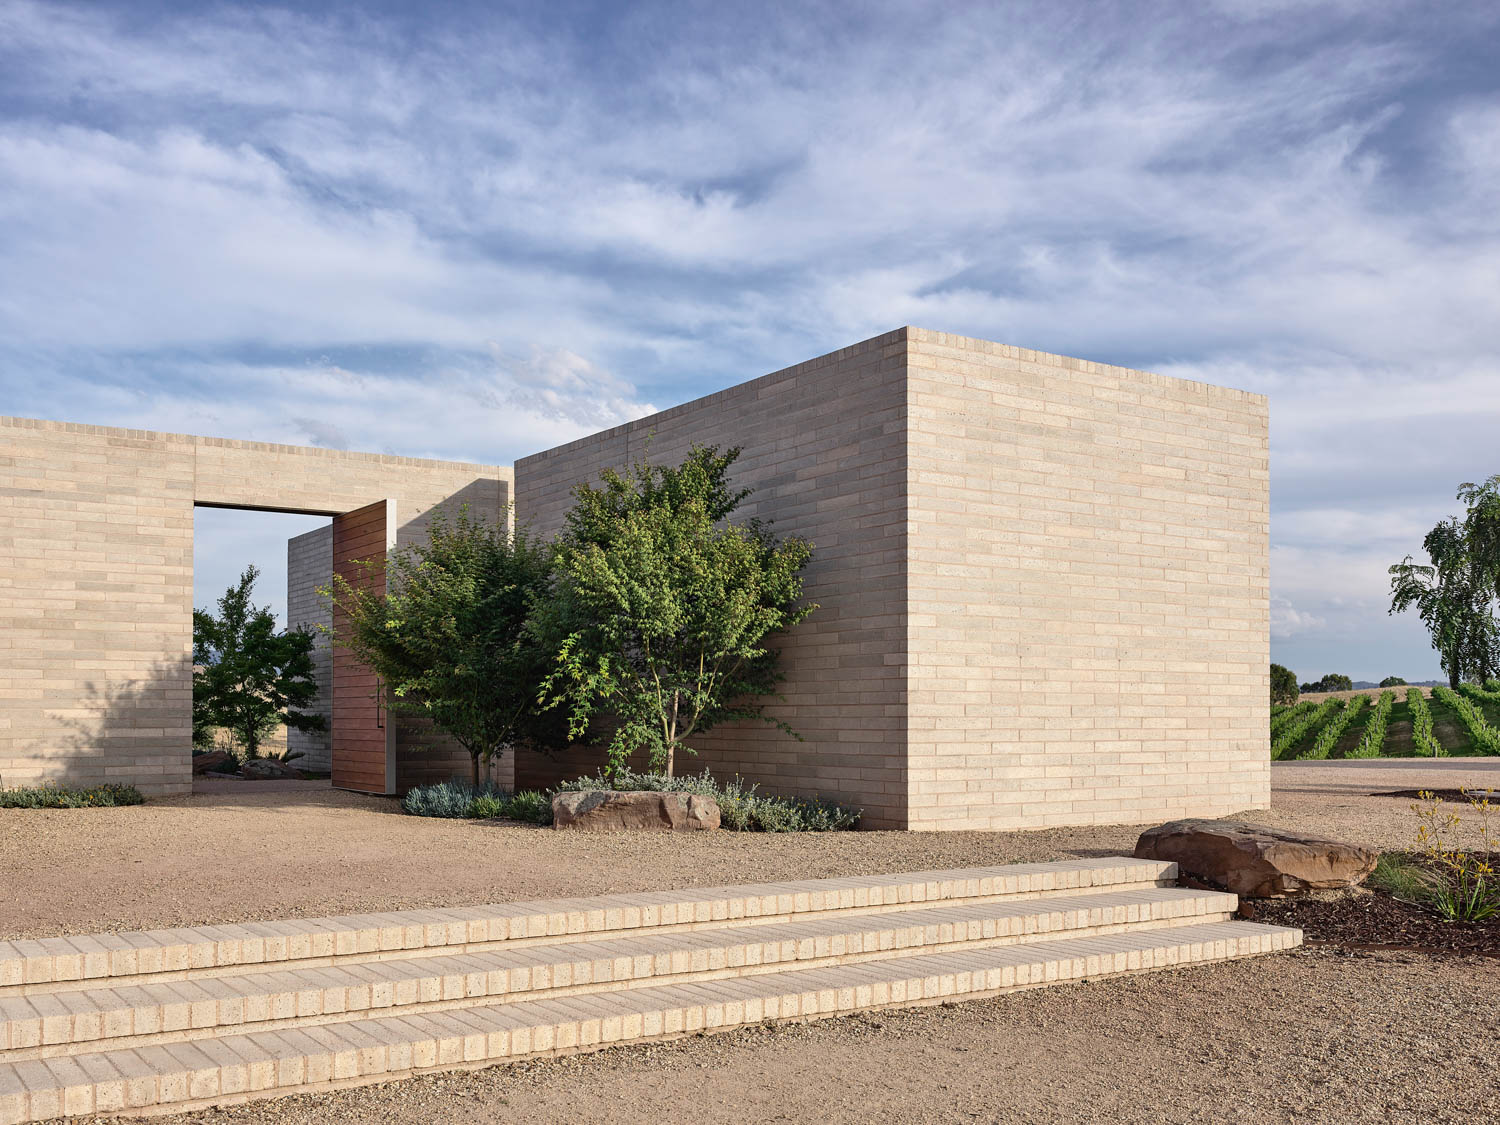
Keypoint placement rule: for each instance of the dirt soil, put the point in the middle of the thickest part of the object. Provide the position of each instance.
(1310, 1037)
(263, 850)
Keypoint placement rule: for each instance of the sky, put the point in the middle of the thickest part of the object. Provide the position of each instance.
(477, 231)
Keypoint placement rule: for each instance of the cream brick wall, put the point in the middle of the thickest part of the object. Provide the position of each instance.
(96, 560)
(309, 565)
(1088, 613)
(1044, 582)
(824, 448)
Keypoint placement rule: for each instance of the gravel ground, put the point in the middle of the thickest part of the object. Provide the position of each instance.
(1317, 1035)
(1310, 1036)
(249, 853)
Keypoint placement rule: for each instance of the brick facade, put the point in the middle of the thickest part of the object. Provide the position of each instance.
(1043, 583)
(96, 582)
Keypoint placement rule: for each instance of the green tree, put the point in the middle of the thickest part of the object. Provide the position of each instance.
(248, 678)
(1453, 596)
(448, 637)
(1335, 681)
(1393, 681)
(663, 607)
(1283, 685)
(1482, 528)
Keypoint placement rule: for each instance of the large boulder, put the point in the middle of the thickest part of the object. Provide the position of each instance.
(214, 761)
(268, 769)
(1255, 861)
(598, 810)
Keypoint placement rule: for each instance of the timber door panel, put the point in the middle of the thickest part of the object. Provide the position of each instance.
(363, 739)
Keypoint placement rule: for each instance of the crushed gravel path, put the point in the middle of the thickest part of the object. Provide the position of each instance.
(248, 853)
(1316, 1035)
(1307, 1037)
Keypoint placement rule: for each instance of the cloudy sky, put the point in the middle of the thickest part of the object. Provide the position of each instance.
(477, 231)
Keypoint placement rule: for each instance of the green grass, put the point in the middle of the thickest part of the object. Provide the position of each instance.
(1447, 727)
(1403, 877)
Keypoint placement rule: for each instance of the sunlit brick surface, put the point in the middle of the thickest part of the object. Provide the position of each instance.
(177, 1019)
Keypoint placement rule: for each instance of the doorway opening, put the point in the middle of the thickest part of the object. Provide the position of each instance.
(292, 553)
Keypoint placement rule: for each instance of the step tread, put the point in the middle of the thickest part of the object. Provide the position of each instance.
(265, 1060)
(260, 994)
(102, 955)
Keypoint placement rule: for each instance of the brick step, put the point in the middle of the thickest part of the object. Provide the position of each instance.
(61, 963)
(60, 1023)
(236, 1067)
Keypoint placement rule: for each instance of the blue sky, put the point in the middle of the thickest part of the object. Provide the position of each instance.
(474, 231)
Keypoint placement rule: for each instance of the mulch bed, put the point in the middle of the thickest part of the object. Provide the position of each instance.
(1375, 921)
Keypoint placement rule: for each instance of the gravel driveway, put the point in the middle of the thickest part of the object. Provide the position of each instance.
(1316, 1035)
(259, 850)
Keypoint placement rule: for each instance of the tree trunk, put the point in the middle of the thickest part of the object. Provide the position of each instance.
(1453, 678)
(670, 748)
(474, 761)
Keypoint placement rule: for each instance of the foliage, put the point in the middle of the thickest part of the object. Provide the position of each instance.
(1290, 715)
(65, 797)
(1463, 887)
(663, 607)
(531, 806)
(1422, 737)
(451, 799)
(247, 677)
(1373, 737)
(1453, 594)
(458, 800)
(1486, 738)
(1481, 694)
(487, 806)
(1401, 876)
(741, 807)
(1295, 731)
(1482, 528)
(1283, 685)
(1328, 737)
(1393, 681)
(448, 638)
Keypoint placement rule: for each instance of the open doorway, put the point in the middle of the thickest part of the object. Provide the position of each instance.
(293, 555)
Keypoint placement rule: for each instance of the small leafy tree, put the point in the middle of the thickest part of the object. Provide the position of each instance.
(248, 678)
(663, 607)
(448, 636)
(1335, 681)
(1283, 685)
(1452, 595)
(1393, 681)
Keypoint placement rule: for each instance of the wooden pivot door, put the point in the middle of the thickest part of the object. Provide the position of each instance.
(363, 739)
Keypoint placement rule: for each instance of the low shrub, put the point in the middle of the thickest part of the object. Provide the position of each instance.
(741, 807)
(530, 806)
(452, 799)
(63, 797)
(461, 800)
(486, 806)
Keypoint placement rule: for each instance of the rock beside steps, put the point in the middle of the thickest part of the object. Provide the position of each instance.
(169, 1020)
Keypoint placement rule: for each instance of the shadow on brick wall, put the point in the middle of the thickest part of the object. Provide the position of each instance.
(134, 731)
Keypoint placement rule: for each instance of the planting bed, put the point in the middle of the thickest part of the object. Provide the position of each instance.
(1375, 920)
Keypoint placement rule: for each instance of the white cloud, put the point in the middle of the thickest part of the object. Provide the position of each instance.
(474, 238)
(1287, 621)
